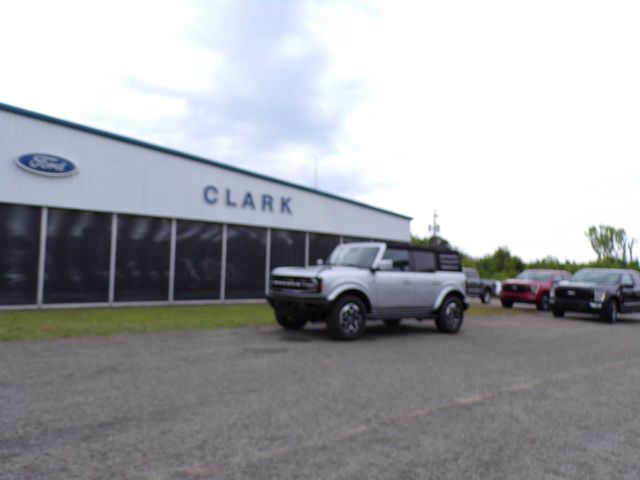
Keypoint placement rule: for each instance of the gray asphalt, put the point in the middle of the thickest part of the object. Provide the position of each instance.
(517, 397)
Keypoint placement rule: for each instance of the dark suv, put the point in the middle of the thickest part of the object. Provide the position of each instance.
(603, 291)
(531, 286)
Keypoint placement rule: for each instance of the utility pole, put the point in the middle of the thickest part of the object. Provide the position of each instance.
(435, 228)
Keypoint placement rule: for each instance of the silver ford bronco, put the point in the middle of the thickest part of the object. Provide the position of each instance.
(371, 281)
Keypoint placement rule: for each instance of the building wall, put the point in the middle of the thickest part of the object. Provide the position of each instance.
(115, 176)
(139, 224)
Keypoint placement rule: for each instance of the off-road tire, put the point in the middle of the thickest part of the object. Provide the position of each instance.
(610, 312)
(557, 312)
(450, 315)
(543, 303)
(347, 318)
(290, 322)
(485, 297)
(506, 303)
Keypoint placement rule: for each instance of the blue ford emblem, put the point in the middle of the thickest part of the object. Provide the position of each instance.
(46, 164)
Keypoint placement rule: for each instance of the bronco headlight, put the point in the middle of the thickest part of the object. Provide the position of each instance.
(534, 288)
(599, 295)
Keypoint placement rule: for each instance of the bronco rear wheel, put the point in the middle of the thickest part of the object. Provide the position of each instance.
(450, 315)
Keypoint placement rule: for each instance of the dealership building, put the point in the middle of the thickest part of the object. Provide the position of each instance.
(90, 218)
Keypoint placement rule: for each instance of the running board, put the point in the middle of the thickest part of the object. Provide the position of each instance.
(394, 313)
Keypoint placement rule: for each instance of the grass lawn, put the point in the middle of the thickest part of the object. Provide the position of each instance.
(45, 324)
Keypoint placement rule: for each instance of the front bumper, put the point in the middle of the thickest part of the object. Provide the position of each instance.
(520, 297)
(577, 305)
(309, 307)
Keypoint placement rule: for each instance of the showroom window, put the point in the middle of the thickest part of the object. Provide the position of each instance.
(77, 256)
(246, 262)
(287, 248)
(142, 258)
(198, 261)
(321, 246)
(19, 244)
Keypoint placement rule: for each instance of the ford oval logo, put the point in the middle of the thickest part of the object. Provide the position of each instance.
(46, 164)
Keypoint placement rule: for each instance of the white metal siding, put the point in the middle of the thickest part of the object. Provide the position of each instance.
(115, 176)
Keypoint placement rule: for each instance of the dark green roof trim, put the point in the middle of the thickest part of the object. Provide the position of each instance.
(187, 156)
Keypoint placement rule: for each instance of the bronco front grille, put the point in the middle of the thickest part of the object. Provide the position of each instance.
(294, 283)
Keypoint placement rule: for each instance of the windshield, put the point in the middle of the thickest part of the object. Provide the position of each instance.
(599, 277)
(349, 256)
(535, 276)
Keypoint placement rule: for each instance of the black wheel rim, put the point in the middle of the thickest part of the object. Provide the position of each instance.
(453, 315)
(350, 318)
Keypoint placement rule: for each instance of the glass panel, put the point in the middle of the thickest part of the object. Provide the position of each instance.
(142, 258)
(423, 261)
(321, 246)
(198, 252)
(450, 262)
(19, 244)
(287, 248)
(77, 258)
(400, 258)
(246, 262)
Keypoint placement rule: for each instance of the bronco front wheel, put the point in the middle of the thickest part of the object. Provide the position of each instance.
(347, 319)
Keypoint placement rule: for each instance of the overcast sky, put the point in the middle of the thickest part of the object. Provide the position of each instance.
(519, 122)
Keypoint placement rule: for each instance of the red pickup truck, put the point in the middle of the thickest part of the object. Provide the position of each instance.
(531, 286)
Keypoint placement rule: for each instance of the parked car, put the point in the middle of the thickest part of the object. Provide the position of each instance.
(371, 281)
(480, 287)
(603, 291)
(531, 286)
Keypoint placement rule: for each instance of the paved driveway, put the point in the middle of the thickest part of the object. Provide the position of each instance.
(519, 397)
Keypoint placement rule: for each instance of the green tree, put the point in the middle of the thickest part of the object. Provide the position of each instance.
(609, 242)
(433, 241)
(499, 265)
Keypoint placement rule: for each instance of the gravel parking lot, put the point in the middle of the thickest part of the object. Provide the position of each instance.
(510, 397)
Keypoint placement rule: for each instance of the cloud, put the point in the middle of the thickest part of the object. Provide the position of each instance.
(268, 107)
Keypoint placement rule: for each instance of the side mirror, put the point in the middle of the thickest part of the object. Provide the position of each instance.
(385, 265)
(319, 261)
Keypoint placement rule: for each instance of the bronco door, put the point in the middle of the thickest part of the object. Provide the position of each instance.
(394, 288)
